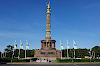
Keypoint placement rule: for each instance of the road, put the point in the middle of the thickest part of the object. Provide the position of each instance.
(50, 65)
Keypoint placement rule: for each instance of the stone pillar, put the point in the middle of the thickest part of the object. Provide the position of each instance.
(48, 25)
(41, 45)
(54, 45)
(51, 44)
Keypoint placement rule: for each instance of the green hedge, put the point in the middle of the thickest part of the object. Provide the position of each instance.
(5, 59)
(24, 60)
(76, 60)
(34, 59)
(16, 60)
(21, 60)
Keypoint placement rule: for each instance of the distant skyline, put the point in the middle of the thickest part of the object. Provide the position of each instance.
(77, 20)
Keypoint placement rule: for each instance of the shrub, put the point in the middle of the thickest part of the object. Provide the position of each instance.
(77, 60)
(58, 59)
(21, 60)
(5, 59)
(34, 59)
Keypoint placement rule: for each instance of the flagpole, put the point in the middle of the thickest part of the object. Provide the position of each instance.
(94, 54)
(25, 53)
(15, 46)
(19, 51)
(61, 54)
(60, 50)
(61, 47)
(19, 54)
(25, 49)
(13, 49)
(90, 55)
(13, 54)
(67, 54)
(67, 50)
(75, 47)
(74, 53)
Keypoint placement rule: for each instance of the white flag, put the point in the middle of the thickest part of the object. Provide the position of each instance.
(61, 45)
(15, 44)
(21, 45)
(74, 44)
(27, 45)
(67, 45)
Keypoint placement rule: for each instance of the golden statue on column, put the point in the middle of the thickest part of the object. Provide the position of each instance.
(48, 49)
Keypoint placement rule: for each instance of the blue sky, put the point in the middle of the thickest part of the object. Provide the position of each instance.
(77, 20)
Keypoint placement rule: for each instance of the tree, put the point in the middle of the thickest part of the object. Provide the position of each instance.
(79, 53)
(30, 53)
(96, 49)
(0, 54)
(9, 51)
(22, 53)
(16, 52)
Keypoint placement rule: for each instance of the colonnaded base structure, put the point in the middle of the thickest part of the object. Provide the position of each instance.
(48, 50)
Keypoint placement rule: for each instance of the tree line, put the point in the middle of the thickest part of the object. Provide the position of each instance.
(10, 52)
(79, 53)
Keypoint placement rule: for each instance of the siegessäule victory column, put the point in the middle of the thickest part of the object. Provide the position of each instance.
(48, 50)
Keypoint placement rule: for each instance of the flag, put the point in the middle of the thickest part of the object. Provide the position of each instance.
(27, 45)
(67, 45)
(61, 45)
(21, 45)
(74, 44)
(15, 44)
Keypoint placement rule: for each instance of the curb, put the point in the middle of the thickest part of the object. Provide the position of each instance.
(52, 63)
